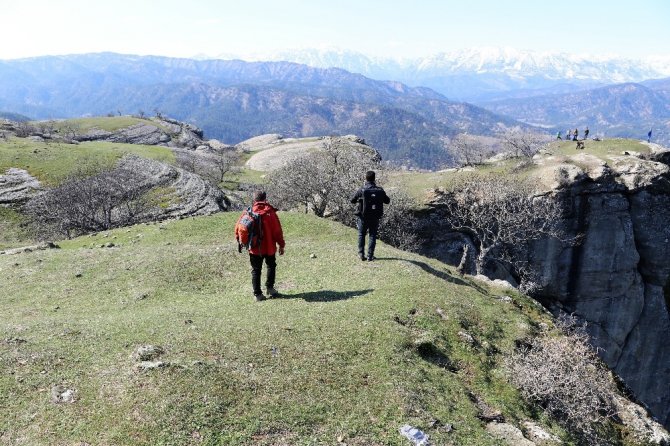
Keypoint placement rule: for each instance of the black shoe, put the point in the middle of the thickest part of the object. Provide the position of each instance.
(259, 297)
(372, 258)
(363, 258)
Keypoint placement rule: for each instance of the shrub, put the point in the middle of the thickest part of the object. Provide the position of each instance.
(564, 375)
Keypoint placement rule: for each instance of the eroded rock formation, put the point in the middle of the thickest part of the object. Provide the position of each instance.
(618, 278)
(17, 186)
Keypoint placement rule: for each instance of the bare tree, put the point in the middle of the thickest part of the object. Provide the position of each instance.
(500, 214)
(24, 129)
(71, 130)
(187, 160)
(564, 376)
(469, 150)
(141, 114)
(323, 181)
(87, 203)
(46, 128)
(219, 163)
(399, 224)
(523, 143)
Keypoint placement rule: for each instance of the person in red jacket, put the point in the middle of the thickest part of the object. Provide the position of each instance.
(273, 236)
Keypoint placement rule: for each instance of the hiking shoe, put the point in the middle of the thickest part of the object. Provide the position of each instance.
(272, 292)
(259, 297)
(363, 258)
(371, 258)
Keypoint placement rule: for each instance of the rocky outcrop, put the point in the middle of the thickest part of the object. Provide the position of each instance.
(272, 151)
(17, 186)
(153, 131)
(156, 131)
(189, 194)
(617, 278)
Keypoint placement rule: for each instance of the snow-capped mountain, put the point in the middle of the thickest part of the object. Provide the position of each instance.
(486, 73)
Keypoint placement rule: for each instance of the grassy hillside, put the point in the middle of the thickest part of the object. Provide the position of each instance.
(353, 350)
(51, 163)
(108, 123)
(419, 184)
(12, 232)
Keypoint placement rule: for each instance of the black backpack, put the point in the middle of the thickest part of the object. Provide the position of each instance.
(373, 202)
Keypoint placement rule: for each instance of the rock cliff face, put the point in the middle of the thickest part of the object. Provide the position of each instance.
(618, 278)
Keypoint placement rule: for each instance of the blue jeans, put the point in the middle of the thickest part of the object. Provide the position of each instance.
(369, 225)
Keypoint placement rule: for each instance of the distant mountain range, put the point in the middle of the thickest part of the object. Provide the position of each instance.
(486, 73)
(235, 100)
(625, 110)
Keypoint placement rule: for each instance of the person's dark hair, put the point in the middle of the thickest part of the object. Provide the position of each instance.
(259, 195)
(370, 176)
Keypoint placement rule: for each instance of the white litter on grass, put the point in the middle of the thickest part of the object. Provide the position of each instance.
(414, 435)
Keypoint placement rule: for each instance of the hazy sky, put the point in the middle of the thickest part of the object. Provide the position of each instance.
(375, 27)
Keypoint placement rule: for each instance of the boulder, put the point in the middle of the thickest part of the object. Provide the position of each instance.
(508, 434)
(17, 186)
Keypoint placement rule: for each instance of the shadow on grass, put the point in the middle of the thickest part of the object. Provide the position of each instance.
(439, 274)
(326, 295)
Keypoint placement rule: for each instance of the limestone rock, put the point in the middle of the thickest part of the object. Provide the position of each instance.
(508, 433)
(26, 249)
(617, 279)
(645, 429)
(154, 131)
(17, 186)
(191, 194)
(147, 352)
(538, 435)
(61, 394)
(147, 366)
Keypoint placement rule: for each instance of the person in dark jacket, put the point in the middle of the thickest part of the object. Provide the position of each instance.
(370, 200)
(273, 236)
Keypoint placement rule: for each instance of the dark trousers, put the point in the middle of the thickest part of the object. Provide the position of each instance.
(257, 268)
(367, 225)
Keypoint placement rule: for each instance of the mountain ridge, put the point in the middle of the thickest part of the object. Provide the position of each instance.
(234, 100)
(615, 110)
(507, 67)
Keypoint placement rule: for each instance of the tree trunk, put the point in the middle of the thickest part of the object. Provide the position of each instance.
(481, 259)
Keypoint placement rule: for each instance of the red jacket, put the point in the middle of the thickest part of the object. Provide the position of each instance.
(272, 231)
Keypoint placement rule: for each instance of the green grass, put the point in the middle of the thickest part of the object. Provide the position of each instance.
(419, 184)
(602, 149)
(108, 123)
(51, 163)
(244, 176)
(336, 356)
(13, 232)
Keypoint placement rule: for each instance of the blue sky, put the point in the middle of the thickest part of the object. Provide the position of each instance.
(375, 27)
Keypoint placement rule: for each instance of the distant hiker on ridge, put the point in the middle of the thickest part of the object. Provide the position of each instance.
(575, 135)
(558, 135)
(649, 136)
(586, 133)
(370, 200)
(259, 230)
